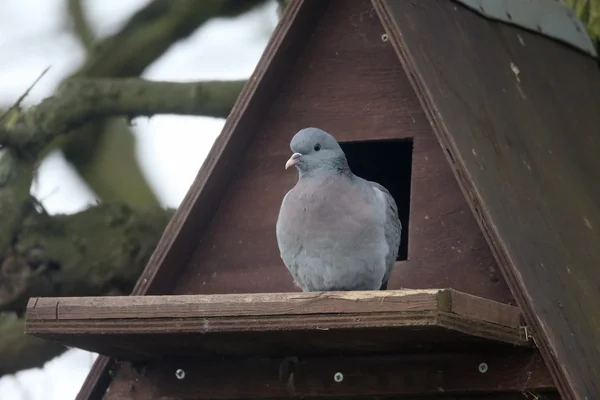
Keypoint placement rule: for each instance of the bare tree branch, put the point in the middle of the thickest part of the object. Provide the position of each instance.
(83, 100)
(81, 24)
(104, 154)
(281, 6)
(152, 30)
(15, 181)
(100, 251)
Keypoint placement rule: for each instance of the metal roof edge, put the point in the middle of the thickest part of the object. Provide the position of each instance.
(551, 18)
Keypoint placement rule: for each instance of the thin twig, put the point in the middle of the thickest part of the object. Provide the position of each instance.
(20, 99)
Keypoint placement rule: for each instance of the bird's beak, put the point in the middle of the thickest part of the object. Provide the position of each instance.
(294, 159)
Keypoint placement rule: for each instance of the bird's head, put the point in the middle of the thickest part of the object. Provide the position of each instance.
(316, 150)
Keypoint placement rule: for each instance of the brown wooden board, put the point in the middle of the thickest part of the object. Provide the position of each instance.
(156, 327)
(521, 373)
(519, 116)
(348, 81)
(330, 65)
(194, 213)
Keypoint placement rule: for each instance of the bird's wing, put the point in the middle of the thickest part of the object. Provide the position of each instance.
(392, 229)
(285, 241)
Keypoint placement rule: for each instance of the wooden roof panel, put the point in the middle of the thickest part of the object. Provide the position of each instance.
(518, 114)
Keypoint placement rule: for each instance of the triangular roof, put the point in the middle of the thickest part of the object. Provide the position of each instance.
(517, 114)
(519, 118)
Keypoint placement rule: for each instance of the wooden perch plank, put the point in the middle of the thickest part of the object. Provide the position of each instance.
(271, 304)
(230, 305)
(146, 327)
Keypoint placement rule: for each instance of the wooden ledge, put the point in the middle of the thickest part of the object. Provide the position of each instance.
(149, 327)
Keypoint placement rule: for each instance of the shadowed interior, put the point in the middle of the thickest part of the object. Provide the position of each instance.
(389, 163)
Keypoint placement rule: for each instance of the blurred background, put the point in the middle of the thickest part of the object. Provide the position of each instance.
(154, 161)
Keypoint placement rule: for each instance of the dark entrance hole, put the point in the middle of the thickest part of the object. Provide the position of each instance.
(389, 163)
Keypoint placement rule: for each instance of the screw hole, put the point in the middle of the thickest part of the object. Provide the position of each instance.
(483, 368)
(180, 374)
(384, 37)
(338, 377)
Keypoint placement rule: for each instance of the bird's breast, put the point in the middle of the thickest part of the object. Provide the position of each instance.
(328, 211)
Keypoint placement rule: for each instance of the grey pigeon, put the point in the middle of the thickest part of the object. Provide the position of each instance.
(335, 230)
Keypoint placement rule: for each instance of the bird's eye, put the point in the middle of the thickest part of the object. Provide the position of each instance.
(317, 147)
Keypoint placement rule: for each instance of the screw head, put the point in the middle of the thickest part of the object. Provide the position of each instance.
(338, 377)
(180, 374)
(483, 367)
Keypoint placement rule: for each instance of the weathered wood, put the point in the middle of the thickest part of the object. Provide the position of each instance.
(195, 211)
(329, 67)
(271, 304)
(343, 75)
(435, 375)
(150, 327)
(348, 81)
(518, 116)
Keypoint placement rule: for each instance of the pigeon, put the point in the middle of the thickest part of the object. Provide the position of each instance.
(335, 231)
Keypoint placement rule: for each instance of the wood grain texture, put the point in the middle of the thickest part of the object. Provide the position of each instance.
(155, 327)
(195, 211)
(348, 81)
(520, 373)
(270, 304)
(327, 65)
(519, 116)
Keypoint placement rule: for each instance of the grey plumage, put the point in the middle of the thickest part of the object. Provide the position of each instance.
(335, 230)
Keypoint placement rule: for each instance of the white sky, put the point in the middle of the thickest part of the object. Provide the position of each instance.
(170, 148)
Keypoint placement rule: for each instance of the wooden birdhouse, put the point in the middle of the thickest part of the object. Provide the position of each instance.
(482, 118)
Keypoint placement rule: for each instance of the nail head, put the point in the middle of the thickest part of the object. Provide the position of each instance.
(338, 377)
(483, 367)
